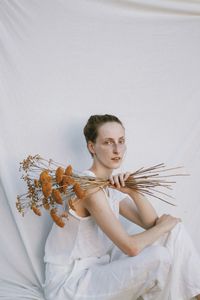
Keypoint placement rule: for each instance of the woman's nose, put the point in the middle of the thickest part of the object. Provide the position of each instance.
(116, 148)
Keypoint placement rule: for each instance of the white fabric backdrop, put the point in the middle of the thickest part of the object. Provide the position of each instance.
(60, 62)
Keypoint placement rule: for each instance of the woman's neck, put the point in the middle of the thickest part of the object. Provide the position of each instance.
(101, 171)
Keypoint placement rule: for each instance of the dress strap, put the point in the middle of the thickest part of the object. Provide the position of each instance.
(103, 189)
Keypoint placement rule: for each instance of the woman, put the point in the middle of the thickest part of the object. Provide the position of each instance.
(93, 257)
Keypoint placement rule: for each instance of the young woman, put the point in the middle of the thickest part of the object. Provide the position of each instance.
(94, 258)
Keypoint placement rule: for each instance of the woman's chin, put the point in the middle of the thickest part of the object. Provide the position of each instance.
(116, 164)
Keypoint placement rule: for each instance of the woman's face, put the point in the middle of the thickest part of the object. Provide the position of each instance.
(110, 146)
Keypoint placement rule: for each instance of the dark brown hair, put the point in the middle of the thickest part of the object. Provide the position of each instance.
(94, 122)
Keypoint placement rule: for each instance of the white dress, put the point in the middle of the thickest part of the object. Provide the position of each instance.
(82, 263)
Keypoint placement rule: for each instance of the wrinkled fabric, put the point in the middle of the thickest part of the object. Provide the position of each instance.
(63, 60)
(76, 239)
(168, 269)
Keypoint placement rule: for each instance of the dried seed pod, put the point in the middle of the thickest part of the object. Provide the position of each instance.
(60, 222)
(51, 201)
(57, 196)
(64, 214)
(53, 211)
(57, 219)
(36, 183)
(45, 203)
(80, 193)
(68, 170)
(36, 210)
(45, 177)
(18, 205)
(59, 174)
(53, 214)
(70, 203)
(64, 184)
(47, 206)
(46, 189)
(70, 180)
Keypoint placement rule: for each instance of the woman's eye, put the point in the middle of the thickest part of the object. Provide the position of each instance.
(111, 142)
(108, 142)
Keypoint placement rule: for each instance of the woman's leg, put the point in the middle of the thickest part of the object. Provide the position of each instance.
(124, 278)
(169, 265)
(184, 281)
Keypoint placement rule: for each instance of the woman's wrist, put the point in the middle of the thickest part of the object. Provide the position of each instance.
(134, 194)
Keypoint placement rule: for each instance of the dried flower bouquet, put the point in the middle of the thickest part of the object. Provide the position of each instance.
(50, 184)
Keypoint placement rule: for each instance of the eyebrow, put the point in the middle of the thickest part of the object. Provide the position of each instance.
(109, 138)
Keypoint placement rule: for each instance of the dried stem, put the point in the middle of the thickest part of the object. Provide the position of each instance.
(39, 190)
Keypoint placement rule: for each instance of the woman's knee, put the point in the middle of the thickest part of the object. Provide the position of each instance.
(160, 254)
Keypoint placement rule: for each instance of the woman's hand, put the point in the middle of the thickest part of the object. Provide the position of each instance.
(118, 182)
(167, 222)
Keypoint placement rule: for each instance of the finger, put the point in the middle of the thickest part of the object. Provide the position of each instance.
(116, 180)
(111, 180)
(126, 176)
(121, 178)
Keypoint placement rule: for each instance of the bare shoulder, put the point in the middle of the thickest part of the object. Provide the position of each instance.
(84, 206)
(95, 197)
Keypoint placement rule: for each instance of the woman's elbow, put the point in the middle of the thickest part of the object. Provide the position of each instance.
(150, 224)
(133, 250)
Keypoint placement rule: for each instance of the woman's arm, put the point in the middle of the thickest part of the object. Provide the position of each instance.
(97, 204)
(129, 210)
(141, 211)
(164, 224)
(146, 211)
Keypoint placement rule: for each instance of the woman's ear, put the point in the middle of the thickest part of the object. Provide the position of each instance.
(90, 146)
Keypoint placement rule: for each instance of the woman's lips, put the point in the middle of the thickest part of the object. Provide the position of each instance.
(116, 158)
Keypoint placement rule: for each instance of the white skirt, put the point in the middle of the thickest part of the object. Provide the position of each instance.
(169, 269)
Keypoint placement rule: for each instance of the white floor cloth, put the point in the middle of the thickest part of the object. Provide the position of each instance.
(63, 60)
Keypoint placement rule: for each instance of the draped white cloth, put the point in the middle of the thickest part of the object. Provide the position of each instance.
(60, 62)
